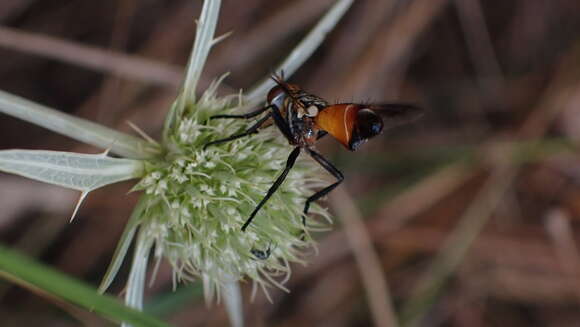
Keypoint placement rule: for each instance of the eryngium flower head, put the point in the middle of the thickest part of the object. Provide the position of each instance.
(199, 199)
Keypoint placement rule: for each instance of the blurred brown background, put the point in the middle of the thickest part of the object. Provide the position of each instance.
(478, 202)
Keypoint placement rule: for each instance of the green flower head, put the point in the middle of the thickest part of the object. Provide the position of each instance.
(198, 199)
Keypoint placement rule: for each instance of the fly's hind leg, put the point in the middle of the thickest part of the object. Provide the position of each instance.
(332, 170)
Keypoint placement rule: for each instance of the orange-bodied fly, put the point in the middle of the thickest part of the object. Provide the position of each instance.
(304, 118)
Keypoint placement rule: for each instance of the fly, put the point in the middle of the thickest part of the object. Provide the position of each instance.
(304, 118)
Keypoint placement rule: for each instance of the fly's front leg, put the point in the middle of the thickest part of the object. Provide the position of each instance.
(252, 130)
(282, 124)
(275, 114)
(243, 116)
(332, 170)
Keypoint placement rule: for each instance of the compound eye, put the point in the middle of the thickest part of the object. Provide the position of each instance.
(276, 95)
(368, 123)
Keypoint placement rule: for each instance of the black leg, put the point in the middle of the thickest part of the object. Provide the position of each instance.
(289, 164)
(332, 170)
(253, 129)
(282, 124)
(243, 116)
(275, 114)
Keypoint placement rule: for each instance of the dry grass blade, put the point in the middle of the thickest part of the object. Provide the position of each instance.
(559, 229)
(482, 53)
(91, 57)
(298, 14)
(456, 246)
(418, 198)
(481, 208)
(369, 265)
(390, 50)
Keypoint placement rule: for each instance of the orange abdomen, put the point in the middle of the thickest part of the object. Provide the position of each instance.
(338, 120)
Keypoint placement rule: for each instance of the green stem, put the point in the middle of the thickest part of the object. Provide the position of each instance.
(34, 276)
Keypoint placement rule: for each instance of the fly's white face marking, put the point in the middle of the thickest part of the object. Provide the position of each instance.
(312, 111)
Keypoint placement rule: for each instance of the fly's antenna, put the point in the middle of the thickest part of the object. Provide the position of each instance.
(290, 89)
(279, 78)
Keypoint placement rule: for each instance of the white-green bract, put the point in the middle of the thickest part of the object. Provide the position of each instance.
(194, 200)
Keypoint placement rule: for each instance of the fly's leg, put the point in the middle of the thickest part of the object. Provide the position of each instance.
(252, 130)
(243, 116)
(289, 164)
(275, 114)
(321, 134)
(282, 124)
(332, 170)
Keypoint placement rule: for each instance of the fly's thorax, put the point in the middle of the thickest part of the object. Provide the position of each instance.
(299, 109)
(309, 105)
(310, 100)
(303, 111)
(304, 130)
